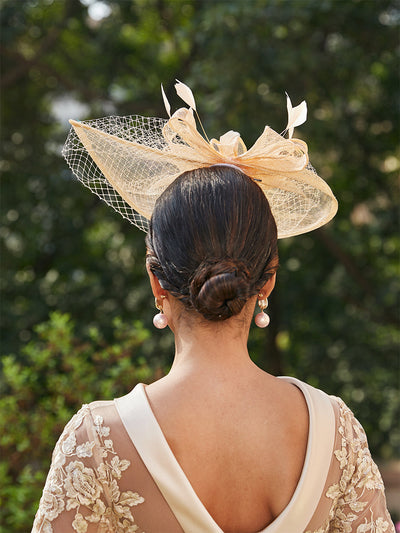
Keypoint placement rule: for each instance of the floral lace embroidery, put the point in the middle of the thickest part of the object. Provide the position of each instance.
(359, 474)
(77, 487)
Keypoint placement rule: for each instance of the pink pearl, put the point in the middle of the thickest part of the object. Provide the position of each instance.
(262, 320)
(160, 321)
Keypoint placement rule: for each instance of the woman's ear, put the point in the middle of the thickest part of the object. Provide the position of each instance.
(268, 287)
(158, 291)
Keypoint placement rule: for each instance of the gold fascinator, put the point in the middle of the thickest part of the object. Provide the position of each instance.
(129, 162)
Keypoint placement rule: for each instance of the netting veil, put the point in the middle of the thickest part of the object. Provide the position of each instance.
(129, 161)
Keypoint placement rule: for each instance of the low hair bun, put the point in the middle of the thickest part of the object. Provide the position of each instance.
(219, 289)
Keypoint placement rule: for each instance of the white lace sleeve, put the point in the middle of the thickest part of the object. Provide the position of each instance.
(358, 498)
(82, 492)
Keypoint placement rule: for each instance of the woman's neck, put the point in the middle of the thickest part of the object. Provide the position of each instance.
(216, 349)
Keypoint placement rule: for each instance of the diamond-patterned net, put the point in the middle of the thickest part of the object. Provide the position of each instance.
(133, 128)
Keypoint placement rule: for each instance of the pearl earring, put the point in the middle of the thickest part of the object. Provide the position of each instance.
(160, 320)
(262, 319)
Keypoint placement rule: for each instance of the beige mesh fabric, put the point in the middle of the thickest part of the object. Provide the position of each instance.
(92, 156)
(130, 161)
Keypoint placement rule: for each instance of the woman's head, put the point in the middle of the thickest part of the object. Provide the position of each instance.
(212, 241)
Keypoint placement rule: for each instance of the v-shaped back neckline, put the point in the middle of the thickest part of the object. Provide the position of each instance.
(146, 435)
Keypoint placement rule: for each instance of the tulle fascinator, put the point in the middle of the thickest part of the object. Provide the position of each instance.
(129, 161)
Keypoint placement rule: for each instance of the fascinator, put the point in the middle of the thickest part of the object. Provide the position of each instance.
(129, 162)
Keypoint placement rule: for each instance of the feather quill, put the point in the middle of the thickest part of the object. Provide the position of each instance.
(296, 115)
(166, 103)
(184, 92)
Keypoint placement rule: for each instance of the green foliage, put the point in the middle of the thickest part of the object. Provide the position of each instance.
(334, 313)
(44, 386)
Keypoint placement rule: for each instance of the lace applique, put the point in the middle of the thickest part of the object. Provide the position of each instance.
(359, 475)
(74, 486)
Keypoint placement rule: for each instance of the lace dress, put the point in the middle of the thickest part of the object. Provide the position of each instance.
(113, 471)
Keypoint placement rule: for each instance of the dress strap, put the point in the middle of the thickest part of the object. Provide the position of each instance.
(321, 440)
(147, 437)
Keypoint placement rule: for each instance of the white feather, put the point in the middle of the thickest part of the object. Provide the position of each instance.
(184, 92)
(166, 103)
(296, 115)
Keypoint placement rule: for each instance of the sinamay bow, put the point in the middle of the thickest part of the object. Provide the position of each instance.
(129, 162)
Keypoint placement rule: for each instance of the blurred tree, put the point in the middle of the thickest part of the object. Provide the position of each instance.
(335, 309)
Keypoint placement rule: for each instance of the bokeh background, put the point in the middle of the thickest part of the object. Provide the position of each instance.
(76, 308)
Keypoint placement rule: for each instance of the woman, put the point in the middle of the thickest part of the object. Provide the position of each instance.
(217, 444)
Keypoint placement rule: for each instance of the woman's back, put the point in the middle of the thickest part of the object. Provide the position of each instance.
(113, 471)
(240, 441)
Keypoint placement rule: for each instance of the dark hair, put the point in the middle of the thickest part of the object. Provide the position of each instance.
(212, 241)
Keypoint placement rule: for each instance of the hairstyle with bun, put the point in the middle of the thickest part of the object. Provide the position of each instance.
(212, 241)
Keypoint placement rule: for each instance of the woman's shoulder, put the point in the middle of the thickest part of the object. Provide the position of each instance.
(348, 438)
(354, 486)
(87, 422)
(314, 395)
(86, 468)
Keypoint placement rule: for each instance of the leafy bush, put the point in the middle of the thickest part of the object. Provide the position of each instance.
(43, 387)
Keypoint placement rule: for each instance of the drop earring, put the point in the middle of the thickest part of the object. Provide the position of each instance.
(262, 319)
(160, 320)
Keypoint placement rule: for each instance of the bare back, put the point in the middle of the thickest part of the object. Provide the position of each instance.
(242, 447)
